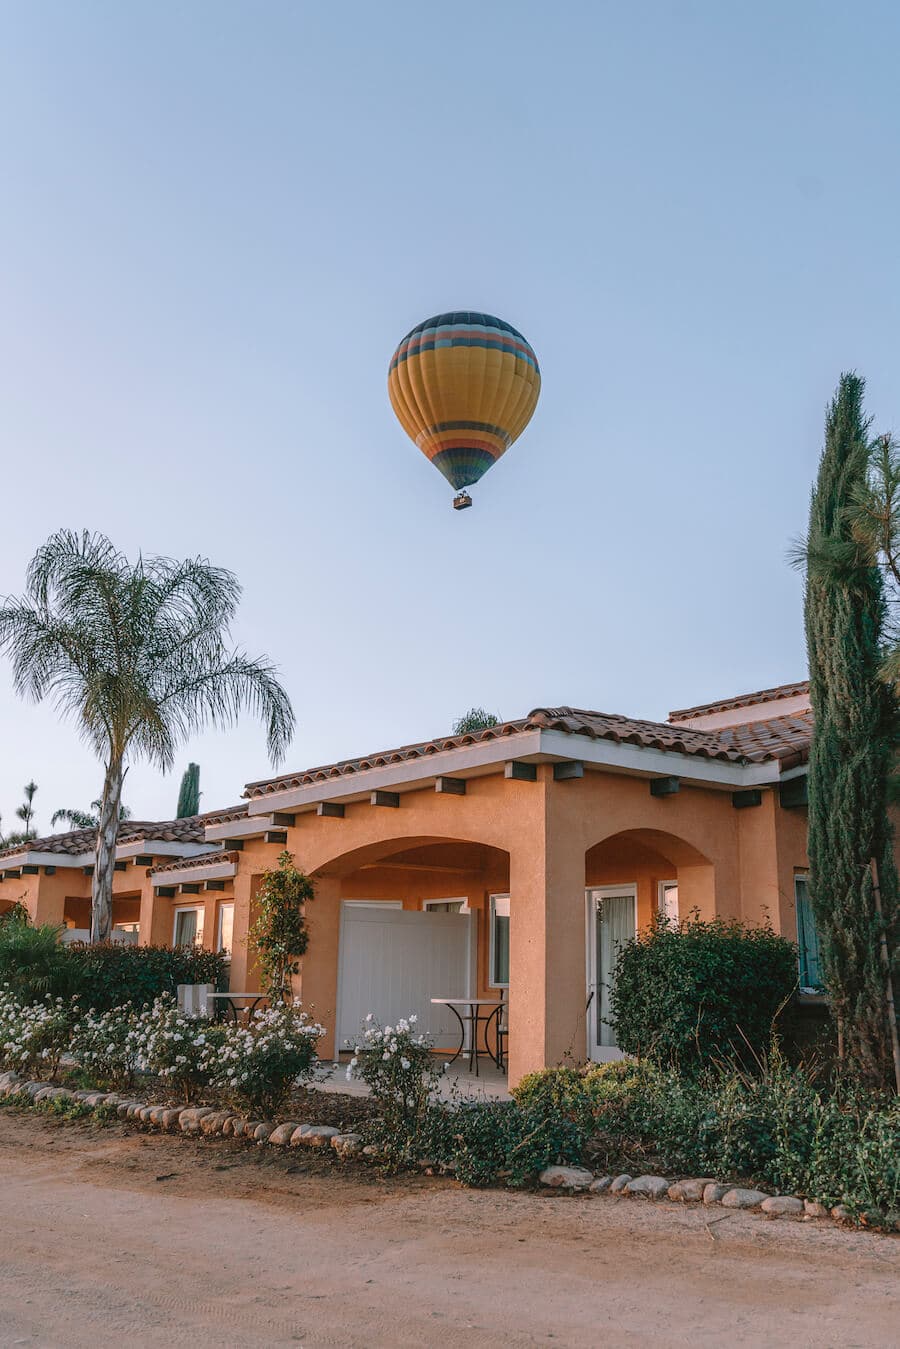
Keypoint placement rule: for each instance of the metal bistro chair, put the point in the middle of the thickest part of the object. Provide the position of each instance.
(502, 1031)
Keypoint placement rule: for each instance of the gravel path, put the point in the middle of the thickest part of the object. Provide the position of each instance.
(110, 1236)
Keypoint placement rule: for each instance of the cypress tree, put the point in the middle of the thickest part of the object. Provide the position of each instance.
(854, 715)
(189, 792)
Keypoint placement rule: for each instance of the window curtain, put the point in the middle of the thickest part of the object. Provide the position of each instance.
(807, 938)
(615, 926)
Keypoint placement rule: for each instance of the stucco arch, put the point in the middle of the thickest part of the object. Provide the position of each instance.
(670, 847)
(649, 858)
(385, 850)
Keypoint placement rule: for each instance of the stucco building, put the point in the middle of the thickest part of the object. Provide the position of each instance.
(509, 862)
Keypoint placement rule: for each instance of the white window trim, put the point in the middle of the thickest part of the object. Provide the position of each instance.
(661, 896)
(200, 910)
(491, 912)
(451, 899)
(374, 903)
(225, 904)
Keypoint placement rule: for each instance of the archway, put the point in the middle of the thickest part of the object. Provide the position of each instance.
(631, 878)
(401, 921)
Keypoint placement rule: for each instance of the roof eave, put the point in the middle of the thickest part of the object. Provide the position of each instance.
(536, 746)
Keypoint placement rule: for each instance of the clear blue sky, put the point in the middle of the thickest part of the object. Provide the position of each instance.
(217, 221)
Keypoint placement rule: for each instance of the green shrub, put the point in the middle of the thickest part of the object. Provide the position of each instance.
(257, 1065)
(109, 1045)
(833, 1143)
(182, 1049)
(113, 975)
(398, 1067)
(689, 995)
(487, 1142)
(33, 1036)
(34, 965)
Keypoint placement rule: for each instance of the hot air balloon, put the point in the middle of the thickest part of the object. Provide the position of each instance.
(463, 387)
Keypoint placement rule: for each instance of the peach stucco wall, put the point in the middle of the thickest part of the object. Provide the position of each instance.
(542, 842)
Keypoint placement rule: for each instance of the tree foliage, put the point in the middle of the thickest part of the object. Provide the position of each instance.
(476, 719)
(138, 655)
(854, 734)
(85, 819)
(279, 934)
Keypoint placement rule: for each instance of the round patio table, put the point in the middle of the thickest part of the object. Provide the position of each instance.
(230, 1006)
(468, 1013)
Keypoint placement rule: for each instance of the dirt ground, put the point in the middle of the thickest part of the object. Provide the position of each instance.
(111, 1236)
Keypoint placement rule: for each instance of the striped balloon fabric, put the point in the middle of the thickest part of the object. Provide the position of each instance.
(464, 387)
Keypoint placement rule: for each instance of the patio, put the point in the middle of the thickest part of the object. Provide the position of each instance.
(489, 1085)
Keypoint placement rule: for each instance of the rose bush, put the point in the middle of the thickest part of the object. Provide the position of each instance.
(33, 1037)
(182, 1049)
(256, 1065)
(111, 1046)
(399, 1068)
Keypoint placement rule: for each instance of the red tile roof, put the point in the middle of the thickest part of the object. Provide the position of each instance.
(191, 829)
(742, 700)
(206, 859)
(780, 738)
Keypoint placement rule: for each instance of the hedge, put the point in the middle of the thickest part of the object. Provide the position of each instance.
(701, 991)
(35, 965)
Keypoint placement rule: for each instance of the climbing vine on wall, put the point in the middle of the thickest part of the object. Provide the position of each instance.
(279, 933)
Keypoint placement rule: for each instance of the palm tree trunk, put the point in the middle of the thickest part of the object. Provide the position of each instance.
(105, 859)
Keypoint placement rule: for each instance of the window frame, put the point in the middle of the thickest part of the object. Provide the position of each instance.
(220, 913)
(199, 910)
(661, 898)
(492, 916)
(450, 899)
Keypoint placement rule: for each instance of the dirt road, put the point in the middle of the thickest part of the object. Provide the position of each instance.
(109, 1236)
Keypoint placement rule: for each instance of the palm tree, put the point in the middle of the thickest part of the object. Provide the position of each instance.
(86, 819)
(138, 655)
(25, 812)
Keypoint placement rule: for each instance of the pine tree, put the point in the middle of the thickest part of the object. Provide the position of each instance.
(854, 717)
(189, 792)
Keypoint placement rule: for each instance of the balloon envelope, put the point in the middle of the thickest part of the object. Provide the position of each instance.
(463, 387)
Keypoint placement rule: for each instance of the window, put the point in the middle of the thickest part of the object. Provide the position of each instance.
(446, 905)
(188, 927)
(374, 903)
(226, 929)
(668, 900)
(807, 939)
(499, 942)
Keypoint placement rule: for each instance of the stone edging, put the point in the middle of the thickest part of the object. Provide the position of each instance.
(190, 1119)
(572, 1179)
(699, 1190)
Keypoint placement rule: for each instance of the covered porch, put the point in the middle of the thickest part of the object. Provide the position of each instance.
(406, 925)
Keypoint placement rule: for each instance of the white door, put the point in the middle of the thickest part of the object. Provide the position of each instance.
(394, 961)
(611, 921)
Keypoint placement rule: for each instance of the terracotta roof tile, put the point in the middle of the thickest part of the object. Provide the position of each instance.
(191, 829)
(779, 738)
(753, 742)
(742, 700)
(206, 859)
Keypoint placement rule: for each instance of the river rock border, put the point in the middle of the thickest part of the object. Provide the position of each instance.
(704, 1190)
(207, 1121)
